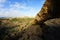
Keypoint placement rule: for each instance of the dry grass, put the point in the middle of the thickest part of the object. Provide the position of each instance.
(12, 26)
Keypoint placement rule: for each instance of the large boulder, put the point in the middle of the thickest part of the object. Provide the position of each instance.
(51, 30)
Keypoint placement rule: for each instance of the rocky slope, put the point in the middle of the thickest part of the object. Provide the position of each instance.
(48, 29)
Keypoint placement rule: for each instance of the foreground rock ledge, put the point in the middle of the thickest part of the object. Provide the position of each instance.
(52, 29)
(49, 31)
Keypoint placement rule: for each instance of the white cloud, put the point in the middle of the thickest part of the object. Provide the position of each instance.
(1, 5)
(18, 5)
(3, 1)
(14, 10)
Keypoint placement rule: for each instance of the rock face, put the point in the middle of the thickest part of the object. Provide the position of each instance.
(52, 29)
(49, 10)
(49, 32)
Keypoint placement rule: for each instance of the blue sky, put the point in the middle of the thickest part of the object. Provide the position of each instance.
(20, 8)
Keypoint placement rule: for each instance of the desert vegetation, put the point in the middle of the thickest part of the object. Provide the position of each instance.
(12, 26)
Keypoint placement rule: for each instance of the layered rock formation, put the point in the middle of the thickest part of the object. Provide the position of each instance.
(49, 10)
(46, 31)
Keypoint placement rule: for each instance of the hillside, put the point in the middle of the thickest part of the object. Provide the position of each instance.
(12, 26)
(18, 29)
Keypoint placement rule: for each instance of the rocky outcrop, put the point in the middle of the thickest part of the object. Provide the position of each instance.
(50, 31)
(49, 10)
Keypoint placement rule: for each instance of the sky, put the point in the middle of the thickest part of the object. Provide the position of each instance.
(20, 8)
